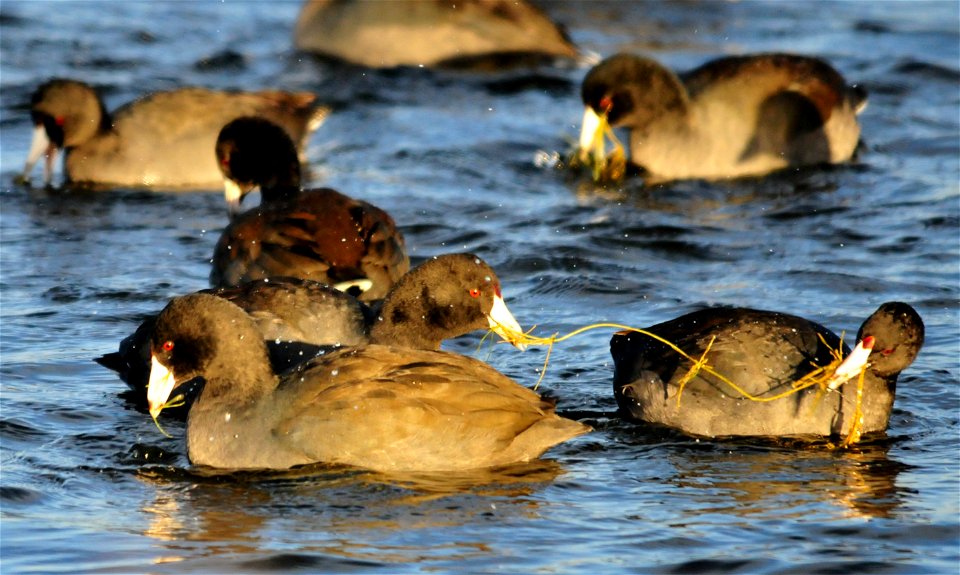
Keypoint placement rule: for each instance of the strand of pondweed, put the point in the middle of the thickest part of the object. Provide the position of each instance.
(856, 426)
(174, 402)
(818, 376)
(698, 364)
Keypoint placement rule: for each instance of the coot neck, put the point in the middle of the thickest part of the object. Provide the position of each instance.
(413, 317)
(237, 379)
(404, 323)
(283, 192)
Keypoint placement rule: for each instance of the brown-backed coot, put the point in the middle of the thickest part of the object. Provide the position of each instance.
(317, 234)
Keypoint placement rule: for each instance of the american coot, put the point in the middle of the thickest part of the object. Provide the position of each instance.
(378, 407)
(764, 353)
(318, 234)
(444, 297)
(297, 319)
(731, 117)
(162, 140)
(428, 33)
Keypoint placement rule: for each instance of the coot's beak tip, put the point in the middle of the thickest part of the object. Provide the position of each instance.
(233, 194)
(504, 324)
(591, 135)
(159, 387)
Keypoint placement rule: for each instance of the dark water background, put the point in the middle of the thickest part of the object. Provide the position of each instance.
(89, 485)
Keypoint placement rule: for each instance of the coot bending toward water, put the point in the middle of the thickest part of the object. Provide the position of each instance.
(161, 140)
(378, 407)
(731, 117)
(763, 352)
(444, 297)
(317, 234)
(430, 33)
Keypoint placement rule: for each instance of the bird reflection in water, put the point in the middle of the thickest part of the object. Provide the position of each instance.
(351, 513)
(782, 479)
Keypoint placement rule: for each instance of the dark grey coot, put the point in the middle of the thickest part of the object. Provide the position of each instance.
(764, 353)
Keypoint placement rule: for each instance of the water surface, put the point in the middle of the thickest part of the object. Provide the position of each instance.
(89, 485)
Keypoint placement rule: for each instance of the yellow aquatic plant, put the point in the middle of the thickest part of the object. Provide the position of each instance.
(176, 401)
(605, 168)
(821, 376)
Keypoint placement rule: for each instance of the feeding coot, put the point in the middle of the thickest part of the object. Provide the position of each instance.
(374, 406)
(731, 117)
(161, 140)
(763, 353)
(442, 298)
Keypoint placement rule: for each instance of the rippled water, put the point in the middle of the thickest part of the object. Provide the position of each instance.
(88, 484)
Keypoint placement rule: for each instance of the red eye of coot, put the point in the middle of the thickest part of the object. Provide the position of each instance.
(474, 292)
(167, 345)
(60, 120)
(606, 103)
(887, 351)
